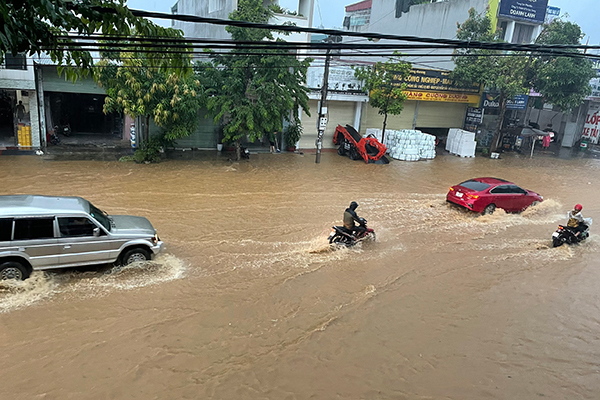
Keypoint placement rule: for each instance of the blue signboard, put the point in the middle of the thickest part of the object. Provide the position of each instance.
(518, 103)
(552, 13)
(527, 10)
(492, 101)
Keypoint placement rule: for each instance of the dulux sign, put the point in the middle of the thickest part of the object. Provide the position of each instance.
(492, 101)
(527, 10)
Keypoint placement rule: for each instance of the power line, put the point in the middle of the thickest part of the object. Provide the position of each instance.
(332, 32)
(442, 43)
(254, 52)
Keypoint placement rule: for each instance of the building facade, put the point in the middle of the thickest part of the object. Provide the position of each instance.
(435, 108)
(301, 16)
(19, 116)
(208, 133)
(358, 16)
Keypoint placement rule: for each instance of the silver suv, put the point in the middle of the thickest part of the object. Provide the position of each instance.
(43, 232)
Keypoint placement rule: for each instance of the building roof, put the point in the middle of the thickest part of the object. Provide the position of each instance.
(24, 205)
(363, 5)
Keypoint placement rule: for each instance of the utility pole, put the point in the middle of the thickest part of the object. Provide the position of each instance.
(322, 113)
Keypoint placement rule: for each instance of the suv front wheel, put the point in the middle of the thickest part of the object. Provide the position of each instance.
(135, 255)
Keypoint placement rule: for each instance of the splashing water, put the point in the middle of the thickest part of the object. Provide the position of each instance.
(43, 285)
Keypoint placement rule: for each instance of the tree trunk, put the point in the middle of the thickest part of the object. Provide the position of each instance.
(384, 125)
(238, 150)
(497, 134)
(147, 130)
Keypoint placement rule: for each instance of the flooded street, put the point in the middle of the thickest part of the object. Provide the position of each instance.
(249, 302)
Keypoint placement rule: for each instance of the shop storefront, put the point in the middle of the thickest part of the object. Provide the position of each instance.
(19, 122)
(435, 103)
(344, 104)
(591, 129)
(77, 109)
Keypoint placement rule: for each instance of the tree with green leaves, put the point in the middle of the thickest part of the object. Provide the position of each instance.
(383, 81)
(497, 72)
(563, 81)
(251, 94)
(134, 87)
(44, 26)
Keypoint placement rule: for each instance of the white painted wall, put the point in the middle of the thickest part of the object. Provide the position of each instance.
(201, 9)
(222, 8)
(434, 20)
(18, 79)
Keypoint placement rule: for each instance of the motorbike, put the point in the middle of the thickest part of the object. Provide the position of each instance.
(340, 235)
(52, 138)
(65, 129)
(566, 234)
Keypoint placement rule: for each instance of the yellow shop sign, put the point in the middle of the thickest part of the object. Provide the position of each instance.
(444, 97)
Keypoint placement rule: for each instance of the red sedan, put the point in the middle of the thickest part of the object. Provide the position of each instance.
(484, 195)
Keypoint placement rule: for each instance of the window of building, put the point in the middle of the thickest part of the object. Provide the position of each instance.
(523, 34)
(18, 61)
(502, 27)
(215, 5)
(34, 228)
(346, 23)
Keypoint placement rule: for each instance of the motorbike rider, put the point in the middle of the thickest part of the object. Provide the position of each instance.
(350, 217)
(576, 220)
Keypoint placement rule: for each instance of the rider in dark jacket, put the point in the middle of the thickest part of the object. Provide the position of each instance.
(350, 217)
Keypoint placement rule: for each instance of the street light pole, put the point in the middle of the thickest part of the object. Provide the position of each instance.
(323, 117)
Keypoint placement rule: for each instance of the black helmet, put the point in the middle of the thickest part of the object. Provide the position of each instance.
(353, 205)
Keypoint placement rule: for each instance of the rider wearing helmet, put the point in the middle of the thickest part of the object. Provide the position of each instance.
(576, 220)
(350, 216)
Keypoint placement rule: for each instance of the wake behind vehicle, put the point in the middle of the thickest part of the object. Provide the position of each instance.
(484, 195)
(340, 235)
(567, 235)
(43, 232)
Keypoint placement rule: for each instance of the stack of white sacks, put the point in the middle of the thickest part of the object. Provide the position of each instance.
(407, 145)
(461, 143)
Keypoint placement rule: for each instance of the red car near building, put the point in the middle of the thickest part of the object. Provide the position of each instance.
(484, 195)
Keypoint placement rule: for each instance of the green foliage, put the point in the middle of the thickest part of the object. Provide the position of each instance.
(32, 26)
(562, 81)
(293, 133)
(252, 94)
(132, 87)
(277, 9)
(501, 73)
(151, 150)
(382, 81)
(496, 72)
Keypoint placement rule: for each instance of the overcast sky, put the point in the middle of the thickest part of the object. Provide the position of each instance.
(330, 13)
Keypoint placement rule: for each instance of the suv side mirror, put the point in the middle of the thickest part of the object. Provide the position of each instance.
(96, 231)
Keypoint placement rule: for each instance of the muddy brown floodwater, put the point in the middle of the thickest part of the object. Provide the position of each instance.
(248, 302)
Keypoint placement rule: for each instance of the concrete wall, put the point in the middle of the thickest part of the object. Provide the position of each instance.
(17, 79)
(55, 83)
(202, 9)
(222, 9)
(434, 20)
(280, 19)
